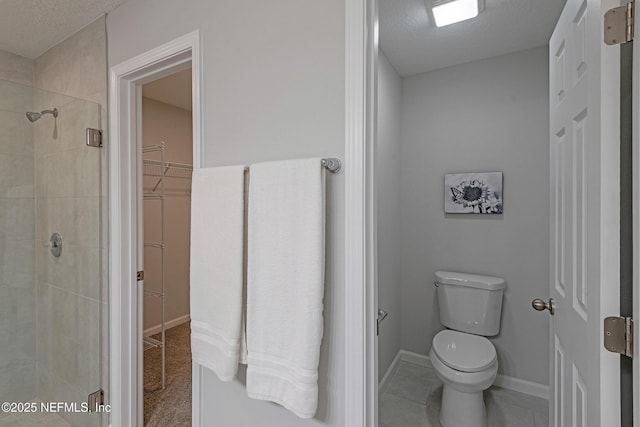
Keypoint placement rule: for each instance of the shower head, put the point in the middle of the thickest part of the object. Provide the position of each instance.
(33, 116)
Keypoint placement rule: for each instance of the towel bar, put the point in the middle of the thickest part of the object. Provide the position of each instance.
(332, 164)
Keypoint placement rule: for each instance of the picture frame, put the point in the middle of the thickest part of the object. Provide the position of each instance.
(473, 193)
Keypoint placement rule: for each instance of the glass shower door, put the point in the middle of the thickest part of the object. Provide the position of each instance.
(59, 272)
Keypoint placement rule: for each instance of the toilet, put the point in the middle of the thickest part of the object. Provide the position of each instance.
(463, 359)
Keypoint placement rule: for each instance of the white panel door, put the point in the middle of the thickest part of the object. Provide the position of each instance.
(584, 155)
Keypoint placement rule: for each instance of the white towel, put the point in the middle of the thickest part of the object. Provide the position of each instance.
(285, 283)
(217, 266)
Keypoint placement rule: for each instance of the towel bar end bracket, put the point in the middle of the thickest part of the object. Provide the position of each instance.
(332, 164)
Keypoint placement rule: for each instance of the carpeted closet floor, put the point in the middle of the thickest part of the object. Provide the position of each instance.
(171, 406)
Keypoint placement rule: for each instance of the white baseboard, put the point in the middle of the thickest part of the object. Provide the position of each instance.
(167, 325)
(415, 358)
(510, 383)
(387, 374)
(523, 386)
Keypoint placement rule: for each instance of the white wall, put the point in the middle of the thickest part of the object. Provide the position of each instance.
(489, 115)
(172, 125)
(273, 89)
(388, 201)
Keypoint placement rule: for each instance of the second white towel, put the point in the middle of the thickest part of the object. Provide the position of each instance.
(285, 283)
(217, 268)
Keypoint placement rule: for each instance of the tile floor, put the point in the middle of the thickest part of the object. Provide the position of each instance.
(411, 398)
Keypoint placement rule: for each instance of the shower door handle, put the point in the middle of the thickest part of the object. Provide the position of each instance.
(381, 316)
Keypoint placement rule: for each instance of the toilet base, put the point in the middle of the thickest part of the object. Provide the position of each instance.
(461, 409)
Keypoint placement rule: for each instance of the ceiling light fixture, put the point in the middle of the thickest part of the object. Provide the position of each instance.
(447, 12)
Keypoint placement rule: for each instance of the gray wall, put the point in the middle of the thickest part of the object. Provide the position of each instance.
(273, 89)
(489, 115)
(388, 201)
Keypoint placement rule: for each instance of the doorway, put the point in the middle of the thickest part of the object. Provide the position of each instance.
(167, 153)
(126, 221)
(440, 114)
(430, 125)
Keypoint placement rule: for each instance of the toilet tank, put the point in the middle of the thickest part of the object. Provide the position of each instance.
(469, 302)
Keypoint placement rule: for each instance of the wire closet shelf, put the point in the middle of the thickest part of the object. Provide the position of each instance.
(168, 169)
(162, 170)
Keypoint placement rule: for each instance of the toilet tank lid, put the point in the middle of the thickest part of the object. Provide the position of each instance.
(470, 280)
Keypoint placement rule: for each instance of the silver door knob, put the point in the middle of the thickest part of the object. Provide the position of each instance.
(540, 305)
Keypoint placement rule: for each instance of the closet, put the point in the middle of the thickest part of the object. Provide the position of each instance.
(162, 171)
(166, 165)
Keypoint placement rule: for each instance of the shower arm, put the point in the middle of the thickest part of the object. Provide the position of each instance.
(53, 112)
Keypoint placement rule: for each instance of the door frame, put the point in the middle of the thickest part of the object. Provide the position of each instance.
(361, 356)
(635, 142)
(361, 292)
(125, 230)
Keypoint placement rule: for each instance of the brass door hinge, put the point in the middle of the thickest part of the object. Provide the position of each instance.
(618, 335)
(618, 24)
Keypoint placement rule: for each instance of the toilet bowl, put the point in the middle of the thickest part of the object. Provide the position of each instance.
(467, 365)
(464, 360)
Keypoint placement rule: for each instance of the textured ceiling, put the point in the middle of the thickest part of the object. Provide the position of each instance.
(407, 37)
(30, 27)
(174, 89)
(414, 45)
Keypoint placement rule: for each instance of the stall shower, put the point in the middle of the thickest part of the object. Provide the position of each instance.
(52, 289)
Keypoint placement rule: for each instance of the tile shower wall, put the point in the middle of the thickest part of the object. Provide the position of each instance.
(69, 198)
(17, 259)
(69, 287)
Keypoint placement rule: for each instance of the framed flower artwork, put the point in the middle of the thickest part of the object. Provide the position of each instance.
(477, 193)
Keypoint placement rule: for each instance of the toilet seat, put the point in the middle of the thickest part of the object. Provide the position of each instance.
(464, 352)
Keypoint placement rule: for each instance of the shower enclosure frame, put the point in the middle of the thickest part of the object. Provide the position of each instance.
(125, 218)
(53, 336)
